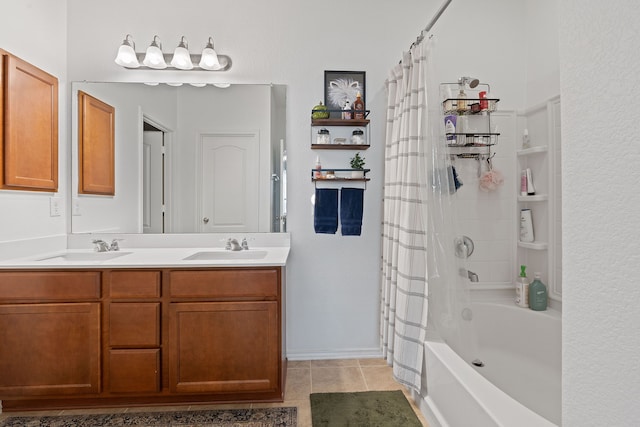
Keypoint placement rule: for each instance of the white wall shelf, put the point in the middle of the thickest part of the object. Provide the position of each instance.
(542, 157)
(533, 150)
(536, 246)
(534, 198)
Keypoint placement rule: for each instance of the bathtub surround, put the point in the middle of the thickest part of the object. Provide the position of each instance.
(519, 383)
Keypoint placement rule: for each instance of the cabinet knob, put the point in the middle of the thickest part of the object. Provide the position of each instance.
(205, 220)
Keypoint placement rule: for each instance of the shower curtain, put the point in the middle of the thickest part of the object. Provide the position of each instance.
(419, 225)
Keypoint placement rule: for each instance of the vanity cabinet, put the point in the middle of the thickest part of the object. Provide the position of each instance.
(105, 337)
(229, 340)
(49, 333)
(28, 126)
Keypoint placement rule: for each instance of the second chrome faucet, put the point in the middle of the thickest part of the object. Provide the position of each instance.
(233, 245)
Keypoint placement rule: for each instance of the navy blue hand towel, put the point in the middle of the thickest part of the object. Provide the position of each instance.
(351, 205)
(326, 211)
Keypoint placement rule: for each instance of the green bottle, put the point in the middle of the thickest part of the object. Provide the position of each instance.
(537, 294)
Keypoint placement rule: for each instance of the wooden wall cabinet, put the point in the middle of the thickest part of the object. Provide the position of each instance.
(29, 126)
(96, 150)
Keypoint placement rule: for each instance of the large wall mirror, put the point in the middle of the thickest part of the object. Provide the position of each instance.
(188, 159)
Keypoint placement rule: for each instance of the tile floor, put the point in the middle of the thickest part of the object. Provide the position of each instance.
(303, 378)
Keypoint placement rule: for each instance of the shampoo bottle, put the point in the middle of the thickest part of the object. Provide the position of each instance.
(522, 288)
(537, 294)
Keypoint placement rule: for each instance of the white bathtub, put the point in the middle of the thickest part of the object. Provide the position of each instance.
(520, 383)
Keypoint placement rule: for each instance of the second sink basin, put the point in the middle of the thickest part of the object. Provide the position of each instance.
(84, 256)
(223, 255)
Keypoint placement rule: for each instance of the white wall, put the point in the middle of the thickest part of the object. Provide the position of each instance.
(36, 32)
(601, 229)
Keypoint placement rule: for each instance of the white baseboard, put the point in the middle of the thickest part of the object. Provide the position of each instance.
(366, 353)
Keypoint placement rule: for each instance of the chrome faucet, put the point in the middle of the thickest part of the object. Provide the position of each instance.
(114, 245)
(233, 245)
(101, 245)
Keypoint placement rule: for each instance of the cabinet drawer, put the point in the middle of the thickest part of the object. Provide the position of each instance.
(224, 283)
(134, 284)
(134, 371)
(49, 285)
(134, 324)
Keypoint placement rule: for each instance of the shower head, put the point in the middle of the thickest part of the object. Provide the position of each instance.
(471, 81)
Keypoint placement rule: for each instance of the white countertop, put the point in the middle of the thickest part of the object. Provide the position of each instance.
(145, 251)
(150, 258)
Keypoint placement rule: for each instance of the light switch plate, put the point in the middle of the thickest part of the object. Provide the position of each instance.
(55, 206)
(75, 207)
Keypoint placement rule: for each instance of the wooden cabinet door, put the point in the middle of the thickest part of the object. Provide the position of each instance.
(134, 371)
(96, 146)
(49, 349)
(29, 140)
(223, 347)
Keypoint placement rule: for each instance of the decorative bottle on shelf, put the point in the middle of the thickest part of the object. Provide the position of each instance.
(537, 294)
(358, 107)
(318, 173)
(324, 137)
(346, 111)
(522, 288)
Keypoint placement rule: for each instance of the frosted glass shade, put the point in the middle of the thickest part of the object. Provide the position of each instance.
(154, 58)
(181, 59)
(209, 60)
(127, 57)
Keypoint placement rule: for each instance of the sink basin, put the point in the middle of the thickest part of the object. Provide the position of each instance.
(85, 256)
(223, 255)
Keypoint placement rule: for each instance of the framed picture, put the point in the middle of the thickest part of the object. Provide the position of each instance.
(340, 86)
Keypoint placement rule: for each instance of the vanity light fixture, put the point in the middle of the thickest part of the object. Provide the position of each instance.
(181, 57)
(209, 59)
(154, 58)
(127, 54)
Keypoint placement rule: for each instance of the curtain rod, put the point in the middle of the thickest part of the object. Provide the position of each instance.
(433, 21)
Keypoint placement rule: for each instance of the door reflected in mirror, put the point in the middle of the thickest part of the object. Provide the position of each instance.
(188, 159)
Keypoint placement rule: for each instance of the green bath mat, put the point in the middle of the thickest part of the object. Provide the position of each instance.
(362, 409)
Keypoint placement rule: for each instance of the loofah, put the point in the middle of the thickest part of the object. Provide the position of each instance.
(491, 180)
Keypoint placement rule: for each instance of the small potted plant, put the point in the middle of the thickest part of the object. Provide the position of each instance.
(357, 163)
